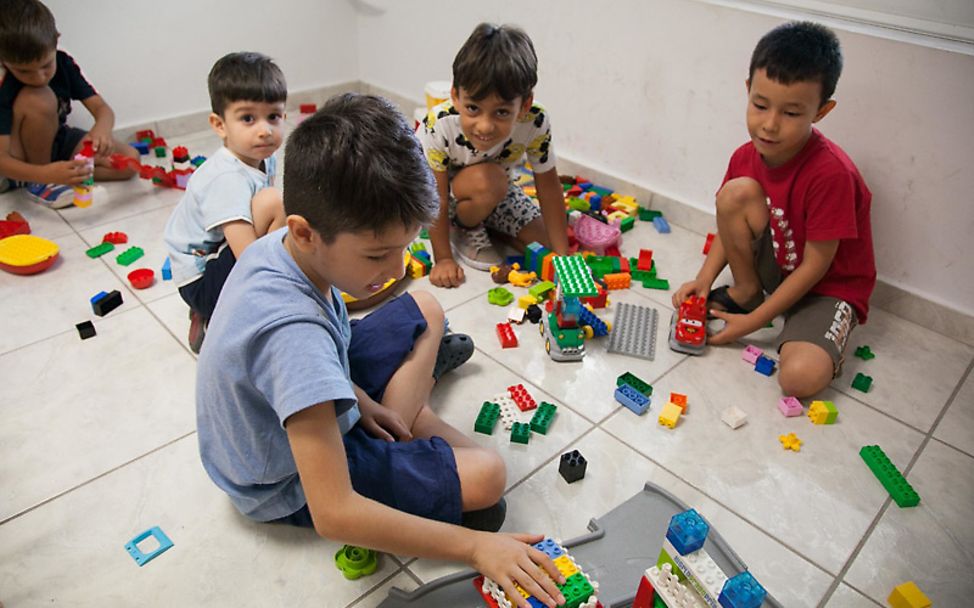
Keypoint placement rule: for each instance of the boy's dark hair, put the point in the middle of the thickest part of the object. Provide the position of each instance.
(800, 51)
(27, 31)
(496, 59)
(356, 165)
(245, 77)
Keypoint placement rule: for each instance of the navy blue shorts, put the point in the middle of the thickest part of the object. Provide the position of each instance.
(65, 141)
(419, 476)
(202, 294)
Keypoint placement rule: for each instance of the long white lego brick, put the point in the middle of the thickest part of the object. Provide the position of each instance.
(509, 410)
(701, 571)
(493, 590)
(671, 591)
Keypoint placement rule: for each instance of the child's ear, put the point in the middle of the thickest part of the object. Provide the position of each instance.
(455, 96)
(825, 109)
(526, 104)
(217, 124)
(300, 232)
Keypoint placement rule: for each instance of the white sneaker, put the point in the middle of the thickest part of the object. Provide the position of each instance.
(52, 196)
(473, 246)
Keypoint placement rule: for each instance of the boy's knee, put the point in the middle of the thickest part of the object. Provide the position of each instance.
(429, 307)
(36, 101)
(738, 193)
(490, 481)
(805, 369)
(269, 200)
(483, 183)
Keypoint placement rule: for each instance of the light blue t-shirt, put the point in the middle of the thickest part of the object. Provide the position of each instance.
(220, 191)
(274, 346)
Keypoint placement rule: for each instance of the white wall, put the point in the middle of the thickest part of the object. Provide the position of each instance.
(653, 91)
(150, 59)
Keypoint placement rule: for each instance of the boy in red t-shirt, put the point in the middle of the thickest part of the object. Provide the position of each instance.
(792, 216)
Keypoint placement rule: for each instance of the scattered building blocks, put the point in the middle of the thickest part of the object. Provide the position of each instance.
(670, 415)
(908, 595)
(862, 382)
(654, 283)
(572, 467)
(499, 296)
(103, 303)
(634, 331)
(864, 352)
(751, 354)
(487, 418)
(129, 255)
(526, 301)
(709, 243)
(742, 591)
(521, 279)
(144, 558)
(505, 333)
(534, 313)
(733, 417)
(116, 238)
(541, 421)
(542, 289)
(167, 269)
(680, 400)
(520, 432)
(635, 382)
(99, 250)
(790, 407)
(822, 412)
(790, 442)
(687, 531)
(645, 260)
(661, 225)
(627, 224)
(632, 399)
(617, 280)
(764, 365)
(86, 329)
(898, 487)
(515, 314)
(525, 402)
(356, 562)
(141, 278)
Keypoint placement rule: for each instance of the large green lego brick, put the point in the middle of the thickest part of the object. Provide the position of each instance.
(487, 418)
(521, 432)
(99, 250)
(574, 277)
(541, 289)
(656, 283)
(898, 487)
(576, 590)
(635, 382)
(542, 417)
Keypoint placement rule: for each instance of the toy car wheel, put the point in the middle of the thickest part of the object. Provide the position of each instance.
(541, 327)
(588, 331)
(547, 346)
(608, 326)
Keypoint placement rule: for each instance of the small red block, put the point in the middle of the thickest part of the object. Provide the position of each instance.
(710, 241)
(116, 238)
(506, 335)
(521, 397)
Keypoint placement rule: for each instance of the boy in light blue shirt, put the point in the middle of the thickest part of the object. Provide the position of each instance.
(229, 202)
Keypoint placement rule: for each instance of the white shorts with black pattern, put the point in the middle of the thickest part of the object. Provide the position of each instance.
(510, 216)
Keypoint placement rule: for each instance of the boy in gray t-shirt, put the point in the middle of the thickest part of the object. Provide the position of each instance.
(307, 419)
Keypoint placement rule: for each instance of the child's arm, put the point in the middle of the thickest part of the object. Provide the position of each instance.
(239, 234)
(816, 261)
(552, 200)
(68, 172)
(341, 514)
(101, 132)
(446, 272)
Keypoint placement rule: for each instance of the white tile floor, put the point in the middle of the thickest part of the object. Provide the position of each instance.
(98, 443)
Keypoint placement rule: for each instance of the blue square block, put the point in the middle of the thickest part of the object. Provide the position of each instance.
(764, 365)
(662, 226)
(742, 591)
(549, 548)
(687, 531)
(632, 399)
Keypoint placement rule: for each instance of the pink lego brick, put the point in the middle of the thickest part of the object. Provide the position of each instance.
(790, 406)
(751, 354)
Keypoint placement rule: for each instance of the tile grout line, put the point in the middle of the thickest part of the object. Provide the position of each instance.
(906, 470)
(78, 486)
(375, 587)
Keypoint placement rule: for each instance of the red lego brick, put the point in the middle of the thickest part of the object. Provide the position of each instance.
(644, 594)
(521, 397)
(180, 154)
(115, 238)
(598, 301)
(506, 335)
(147, 134)
(645, 260)
(613, 250)
(624, 265)
(478, 584)
(710, 241)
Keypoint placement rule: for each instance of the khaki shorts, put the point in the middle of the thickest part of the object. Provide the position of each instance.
(822, 320)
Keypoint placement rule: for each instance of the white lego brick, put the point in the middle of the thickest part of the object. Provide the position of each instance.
(515, 314)
(701, 570)
(671, 591)
(733, 417)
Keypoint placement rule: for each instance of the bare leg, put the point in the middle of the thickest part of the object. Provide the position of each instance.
(533, 232)
(35, 122)
(742, 216)
(806, 369)
(478, 189)
(103, 167)
(267, 208)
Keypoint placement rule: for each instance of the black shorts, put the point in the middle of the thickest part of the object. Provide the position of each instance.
(66, 140)
(202, 294)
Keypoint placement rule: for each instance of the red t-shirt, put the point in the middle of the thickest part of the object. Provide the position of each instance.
(818, 196)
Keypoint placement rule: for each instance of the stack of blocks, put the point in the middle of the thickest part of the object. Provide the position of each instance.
(670, 415)
(822, 412)
(506, 407)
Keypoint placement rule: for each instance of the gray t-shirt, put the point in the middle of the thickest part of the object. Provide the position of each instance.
(274, 346)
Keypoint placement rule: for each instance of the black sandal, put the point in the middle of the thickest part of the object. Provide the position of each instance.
(721, 297)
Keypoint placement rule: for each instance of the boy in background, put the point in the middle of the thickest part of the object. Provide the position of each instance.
(475, 141)
(229, 201)
(307, 420)
(37, 147)
(792, 216)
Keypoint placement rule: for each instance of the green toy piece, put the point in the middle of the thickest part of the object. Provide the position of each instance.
(521, 432)
(424, 234)
(865, 353)
(541, 289)
(648, 215)
(578, 204)
(627, 224)
(499, 296)
(574, 277)
(636, 383)
(541, 420)
(656, 284)
(99, 250)
(862, 382)
(487, 418)
(898, 487)
(356, 562)
(129, 255)
(576, 590)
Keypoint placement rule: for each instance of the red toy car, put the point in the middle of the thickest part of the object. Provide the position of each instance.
(688, 330)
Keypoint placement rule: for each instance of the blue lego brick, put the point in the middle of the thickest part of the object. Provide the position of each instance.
(587, 317)
(550, 548)
(764, 365)
(167, 269)
(422, 254)
(144, 558)
(141, 146)
(742, 591)
(632, 399)
(595, 202)
(533, 255)
(687, 531)
(535, 602)
(662, 226)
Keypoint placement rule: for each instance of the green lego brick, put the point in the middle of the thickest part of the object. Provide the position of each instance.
(602, 265)
(898, 487)
(627, 224)
(160, 152)
(658, 602)
(578, 204)
(648, 215)
(99, 250)
(417, 246)
(487, 418)
(574, 277)
(541, 288)
(576, 590)
(656, 284)
(635, 382)
(664, 558)
(521, 432)
(603, 192)
(865, 353)
(129, 255)
(499, 296)
(862, 382)
(541, 420)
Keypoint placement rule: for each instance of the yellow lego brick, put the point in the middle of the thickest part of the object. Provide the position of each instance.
(565, 566)
(819, 412)
(790, 442)
(521, 590)
(630, 209)
(616, 216)
(416, 269)
(908, 595)
(526, 300)
(670, 415)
